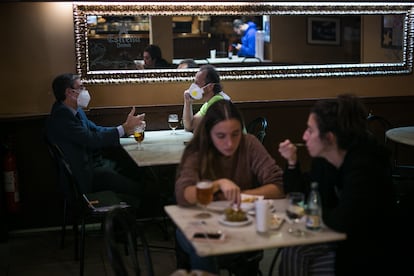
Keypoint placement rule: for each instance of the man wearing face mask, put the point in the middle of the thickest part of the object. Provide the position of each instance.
(206, 86)
(81, 140)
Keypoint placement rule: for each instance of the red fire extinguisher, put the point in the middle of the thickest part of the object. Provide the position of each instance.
(11, 184)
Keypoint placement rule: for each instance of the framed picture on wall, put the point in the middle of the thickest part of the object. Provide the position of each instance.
(392, 31)
(324, 30)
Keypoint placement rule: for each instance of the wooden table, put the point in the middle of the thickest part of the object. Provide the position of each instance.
(402, 135)
(243, 238)
(160, 147)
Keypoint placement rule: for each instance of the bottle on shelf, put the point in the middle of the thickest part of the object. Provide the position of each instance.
(314, 209)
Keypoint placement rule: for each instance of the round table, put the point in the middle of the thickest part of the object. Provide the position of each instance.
(402, 135)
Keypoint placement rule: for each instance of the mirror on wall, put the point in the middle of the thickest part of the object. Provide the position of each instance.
(293, 40)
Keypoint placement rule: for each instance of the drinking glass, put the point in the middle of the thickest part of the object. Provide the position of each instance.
(204, 190)
(139, 134)
(173, 122)
(295, 211)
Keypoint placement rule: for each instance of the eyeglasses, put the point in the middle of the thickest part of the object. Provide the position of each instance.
(78, 90)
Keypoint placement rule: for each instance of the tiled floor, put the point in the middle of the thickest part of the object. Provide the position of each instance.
(38, 254)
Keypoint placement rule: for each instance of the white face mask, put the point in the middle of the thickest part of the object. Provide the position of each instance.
(83, 98)
(195, 91)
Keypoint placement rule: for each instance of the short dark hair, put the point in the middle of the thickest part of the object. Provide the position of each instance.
(61, 82)
(345, 117)
(212, 76)
(190, 63)
(237, 23)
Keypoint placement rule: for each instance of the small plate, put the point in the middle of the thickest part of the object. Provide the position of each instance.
(247, 206)
(276, 221)
(245, 198)
(223, 221)
(252, 212)
(247, 201)
(219, 206)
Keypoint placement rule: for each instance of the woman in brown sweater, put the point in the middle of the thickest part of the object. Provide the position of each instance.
(235, 161)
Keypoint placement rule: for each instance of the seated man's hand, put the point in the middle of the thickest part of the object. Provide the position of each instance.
(132, 121)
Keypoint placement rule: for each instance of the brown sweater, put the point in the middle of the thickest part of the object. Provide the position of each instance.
(249, 167)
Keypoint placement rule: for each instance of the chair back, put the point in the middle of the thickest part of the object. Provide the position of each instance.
(258, 127)
(119, 224)
(378, 125)
(66, 178)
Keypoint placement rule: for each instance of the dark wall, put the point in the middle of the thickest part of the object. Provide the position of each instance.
(40, 197)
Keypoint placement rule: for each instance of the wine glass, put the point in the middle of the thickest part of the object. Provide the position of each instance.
(295, 211)
(139, 134)
(173, 122)
(204, 191)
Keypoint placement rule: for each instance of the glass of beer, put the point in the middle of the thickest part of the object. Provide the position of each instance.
(173, 122)
(139, 134)
(204, 190)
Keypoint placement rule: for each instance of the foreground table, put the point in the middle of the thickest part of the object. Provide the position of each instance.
(243, 238)
(402, 135)
(159, 147)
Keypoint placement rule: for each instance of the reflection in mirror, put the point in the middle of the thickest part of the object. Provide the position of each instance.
(306, 40)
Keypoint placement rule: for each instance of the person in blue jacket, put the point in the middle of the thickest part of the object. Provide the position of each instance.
(247, 48)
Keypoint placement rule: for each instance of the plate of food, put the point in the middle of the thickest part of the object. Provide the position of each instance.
(235, 217)
(247, 201)
(223, 220)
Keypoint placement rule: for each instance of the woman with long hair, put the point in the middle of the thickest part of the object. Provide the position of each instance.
(234, 161)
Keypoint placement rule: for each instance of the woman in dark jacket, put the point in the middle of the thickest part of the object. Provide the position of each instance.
(354, 176)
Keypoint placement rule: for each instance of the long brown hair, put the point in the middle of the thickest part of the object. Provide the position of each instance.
(202, 143)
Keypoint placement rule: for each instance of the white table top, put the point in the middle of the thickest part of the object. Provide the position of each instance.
(160, 147)
(243, 238)
(403, 135)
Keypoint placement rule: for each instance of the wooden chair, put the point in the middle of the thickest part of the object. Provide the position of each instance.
(81, 205)
(378, 125)
(402, 175)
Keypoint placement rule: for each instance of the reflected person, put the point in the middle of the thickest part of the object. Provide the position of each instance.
(153, 58)
(207, 83)
(81, 141)
(354, 175)
(187, 63)
(248, 30)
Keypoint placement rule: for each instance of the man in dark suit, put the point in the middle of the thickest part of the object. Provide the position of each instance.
(81, 140)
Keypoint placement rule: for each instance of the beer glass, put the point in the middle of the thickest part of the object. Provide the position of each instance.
(139, 134)
(173, 122)
(204, 190)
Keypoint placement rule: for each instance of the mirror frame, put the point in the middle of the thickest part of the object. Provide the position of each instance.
(82, 10)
